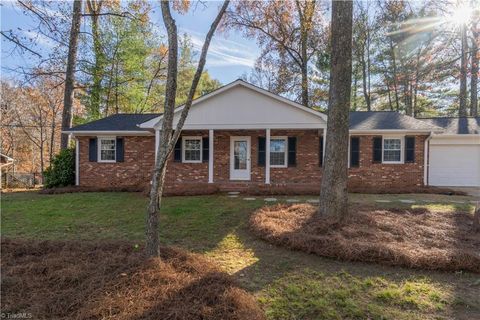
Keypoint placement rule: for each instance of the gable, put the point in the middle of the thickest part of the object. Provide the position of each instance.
(244, 106)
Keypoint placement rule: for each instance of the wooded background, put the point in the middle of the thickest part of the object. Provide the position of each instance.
(415, 57)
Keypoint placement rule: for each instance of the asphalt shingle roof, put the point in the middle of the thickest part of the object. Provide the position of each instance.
(457, 125)
(359, 120)
(386, 120)
(117, 122)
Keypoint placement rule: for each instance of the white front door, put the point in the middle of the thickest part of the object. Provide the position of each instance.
(239, 158)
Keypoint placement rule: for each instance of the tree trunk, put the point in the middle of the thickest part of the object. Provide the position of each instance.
(355, 88)
(52, 142)
(305, 26)
(474, 80)
(95, 8)
(462, 110)
(365, 80)
(333, 194)
(167, 137)
(476, 218)
(389, 98)
(153, 244)
(395, 84)
(70, 73)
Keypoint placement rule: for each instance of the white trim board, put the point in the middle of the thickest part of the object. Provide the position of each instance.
(110, 133)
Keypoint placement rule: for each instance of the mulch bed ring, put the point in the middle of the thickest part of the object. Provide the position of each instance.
(86, 280)
(415, 237)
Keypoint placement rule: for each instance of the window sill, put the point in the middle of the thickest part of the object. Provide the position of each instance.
(277, 166)
(107, 161)
(392, 162)
(192, 161)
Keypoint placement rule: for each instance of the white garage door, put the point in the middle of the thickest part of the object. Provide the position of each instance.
(455, 165)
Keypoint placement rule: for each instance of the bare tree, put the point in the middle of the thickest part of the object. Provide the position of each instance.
(291, 30)
(168, 137)
(70, 72)
(333, 194)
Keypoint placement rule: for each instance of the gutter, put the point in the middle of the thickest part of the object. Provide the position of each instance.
(426, 158)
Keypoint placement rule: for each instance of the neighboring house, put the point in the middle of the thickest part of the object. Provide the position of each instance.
(244, 138)
(5, 162)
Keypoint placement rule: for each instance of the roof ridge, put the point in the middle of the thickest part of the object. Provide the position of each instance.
(133, 113)
(448, 117)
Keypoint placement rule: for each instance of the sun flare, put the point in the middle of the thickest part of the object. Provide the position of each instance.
(461, 15)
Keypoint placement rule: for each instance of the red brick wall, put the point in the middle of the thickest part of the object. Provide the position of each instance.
(381, 175)
(135, 170)
(190, 178)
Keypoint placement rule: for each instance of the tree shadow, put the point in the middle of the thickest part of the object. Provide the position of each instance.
(275, 262)
(87, 280)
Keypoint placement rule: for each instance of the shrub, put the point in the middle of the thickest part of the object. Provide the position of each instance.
(61, 172)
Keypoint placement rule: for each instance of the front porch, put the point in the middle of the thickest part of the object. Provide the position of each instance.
(247, 160)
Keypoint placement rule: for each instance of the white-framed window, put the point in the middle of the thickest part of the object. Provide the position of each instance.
(278, 152)
(392, 150)
(107, 149)
(192, 149)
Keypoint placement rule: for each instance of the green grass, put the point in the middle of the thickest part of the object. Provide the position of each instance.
(288, 284)
(340, 295)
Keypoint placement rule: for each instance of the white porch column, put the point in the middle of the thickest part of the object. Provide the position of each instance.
(210, 156)
(267, 157)
(324, 143)
(77, 163)
(157, 139)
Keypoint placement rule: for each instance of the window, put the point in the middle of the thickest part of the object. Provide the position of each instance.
(392, 150)
(192, 149)
(107, 149)
(278, 152)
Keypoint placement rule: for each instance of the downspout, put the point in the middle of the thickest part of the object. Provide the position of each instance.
(77, 158)
(426, 158)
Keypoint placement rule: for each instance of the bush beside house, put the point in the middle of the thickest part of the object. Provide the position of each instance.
(61, 172)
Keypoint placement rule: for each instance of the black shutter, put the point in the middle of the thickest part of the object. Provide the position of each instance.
(92, 150)
(120, 150)
(177, 152)
(205, 151)
(261, 151)
(292, 151)
(377, 149)
(354, 151)
(320, 151)
(409, 149)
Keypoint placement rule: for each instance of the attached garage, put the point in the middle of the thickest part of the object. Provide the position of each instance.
(454, 162)
(454, 155)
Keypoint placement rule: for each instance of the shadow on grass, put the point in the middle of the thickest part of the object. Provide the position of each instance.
(217, 226)
(86, 280)
(397, 293)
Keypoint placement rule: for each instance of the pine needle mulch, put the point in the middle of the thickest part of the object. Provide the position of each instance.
(415, 238)
(112, 280)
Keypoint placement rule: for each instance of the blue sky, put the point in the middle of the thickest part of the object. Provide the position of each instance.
(230, 54)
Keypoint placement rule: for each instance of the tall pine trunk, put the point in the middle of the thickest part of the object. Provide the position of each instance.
(70, 72)
(462, 110)
(474, 79)
(168, 137)
(95, 8)
(333, 194)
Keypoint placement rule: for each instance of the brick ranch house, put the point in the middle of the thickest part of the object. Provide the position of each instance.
(243, 138)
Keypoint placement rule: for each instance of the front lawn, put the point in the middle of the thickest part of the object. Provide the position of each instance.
(288, 284)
